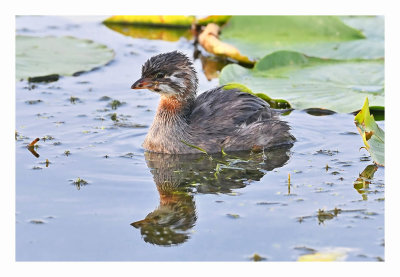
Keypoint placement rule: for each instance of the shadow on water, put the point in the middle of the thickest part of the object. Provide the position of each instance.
(179, 177)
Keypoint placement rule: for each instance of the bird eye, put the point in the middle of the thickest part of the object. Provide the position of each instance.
(160, 75)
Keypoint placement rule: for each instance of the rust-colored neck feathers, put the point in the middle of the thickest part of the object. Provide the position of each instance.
(170, 105)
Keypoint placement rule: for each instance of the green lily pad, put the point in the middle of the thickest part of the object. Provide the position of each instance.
(308, 82)
(318, 36)
(67, 56)
(372, 135)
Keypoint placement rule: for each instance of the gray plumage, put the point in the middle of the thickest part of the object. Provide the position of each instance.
(218, 119)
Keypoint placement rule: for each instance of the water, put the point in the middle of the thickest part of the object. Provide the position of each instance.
(141, 207)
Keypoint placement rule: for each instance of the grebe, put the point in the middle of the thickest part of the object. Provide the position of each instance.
(218, 120)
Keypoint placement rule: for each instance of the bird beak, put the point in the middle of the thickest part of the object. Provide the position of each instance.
(143, 83)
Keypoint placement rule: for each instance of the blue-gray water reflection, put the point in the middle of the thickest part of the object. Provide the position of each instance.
(178, 177)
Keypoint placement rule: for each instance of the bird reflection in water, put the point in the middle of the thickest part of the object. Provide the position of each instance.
(179, 177)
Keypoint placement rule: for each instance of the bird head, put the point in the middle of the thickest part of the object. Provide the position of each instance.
(169, 74)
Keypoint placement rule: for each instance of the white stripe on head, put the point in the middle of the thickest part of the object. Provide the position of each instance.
(179, 81)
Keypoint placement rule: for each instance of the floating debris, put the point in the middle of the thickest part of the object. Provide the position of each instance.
(79, 183)
(74, 100)
(115, 104)
(327, 152)
(47, 137)
(37, 221)
(105, 98)
(234, 216)
(305, 249)
(349, 133)
(30, 87)
(268, 203)
(114, 117)
(33, 102)
(257, 258)
(103, 110)
(58, 123)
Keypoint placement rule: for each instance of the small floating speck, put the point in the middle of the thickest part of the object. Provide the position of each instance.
(105, 98)
(33, 102)
(114, 104)
(268, 203)
(349, 133)
(37, 221)
(234, 216)
(257, 258)
(74, 100)
(79, 183)
(326, 152)
(305, 249)
(47, 137)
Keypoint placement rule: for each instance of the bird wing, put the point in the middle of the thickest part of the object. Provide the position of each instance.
(220, 111)
(235, 120)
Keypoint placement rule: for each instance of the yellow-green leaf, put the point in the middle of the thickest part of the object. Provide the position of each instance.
(151, 32)
(155, 20)
(373, 136)
(274, 103)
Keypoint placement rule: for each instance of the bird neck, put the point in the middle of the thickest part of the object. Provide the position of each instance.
(171, 107)
(170, 126)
